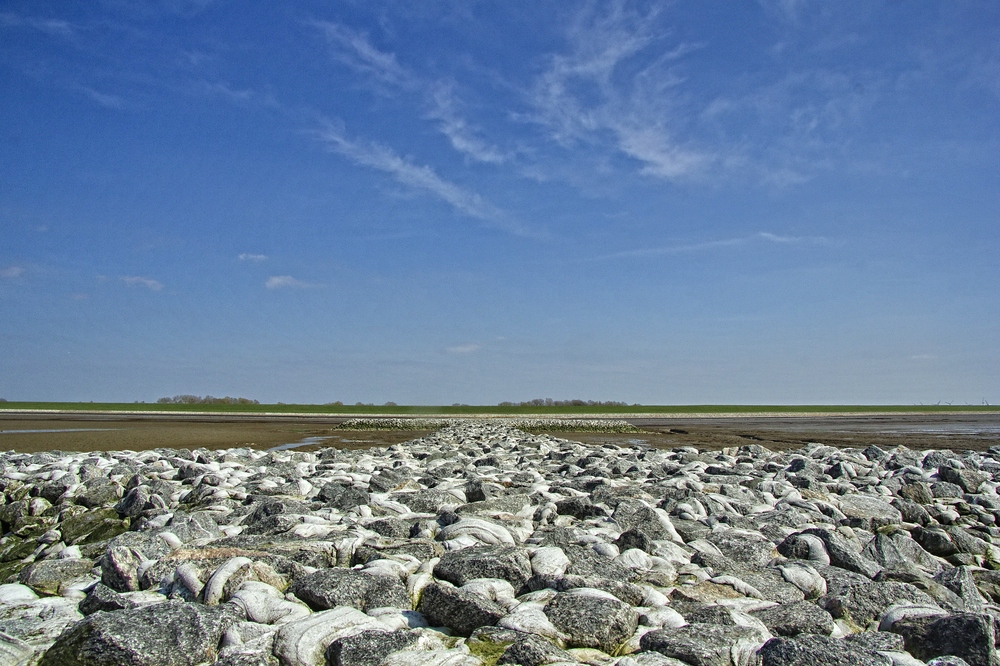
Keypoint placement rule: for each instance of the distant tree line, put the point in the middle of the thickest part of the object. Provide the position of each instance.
(207, 400)
(549, 402)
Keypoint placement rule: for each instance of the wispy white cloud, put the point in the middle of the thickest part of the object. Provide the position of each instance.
(464, 349)
(286, 282)
(762, 236)
(923, 357)
(139, 281)
(419, 177)
(55, 27)
(256, 258)
(356, 51)
(105, 100)
(463, 138)
(12, 272)
(585, 95)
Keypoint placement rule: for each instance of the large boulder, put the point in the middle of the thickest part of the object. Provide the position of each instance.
(329, 588)
(971, 636)
(704, 644)
(802, 617)
(818, 651)
(368, 648)
(595, 620)
(460, 610)
(508, 563)
(169, 634)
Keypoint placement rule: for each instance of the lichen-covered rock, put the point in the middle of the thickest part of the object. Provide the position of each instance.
(368, 648)
(592, 620)
(705, 644)
(329, 588)
(508, 563)
(170, 634)
(460, 610)
(818, 651)
(790, 620)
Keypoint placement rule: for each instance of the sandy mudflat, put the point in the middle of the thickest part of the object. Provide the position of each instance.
(94, 432)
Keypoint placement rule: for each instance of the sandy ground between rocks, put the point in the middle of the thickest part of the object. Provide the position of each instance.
(96, 432)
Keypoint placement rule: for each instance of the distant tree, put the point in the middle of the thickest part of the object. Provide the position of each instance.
(338, 403)
(3, 399)
(390, 404)
(549, 402)
(207, 400)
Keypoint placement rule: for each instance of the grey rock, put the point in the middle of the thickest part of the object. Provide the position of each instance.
(390, 527)
(868, 512)
(967, 479)
(368, 648)
(508, 563)
(531, 650)
(935, 541)
(949, 660)
(747, 549)
(329, 588)
(862, 604)
(818, 651)
(50, 576)
(99, 492)
(960, 581)
(702, 644)
(120, 569)
(585, 562)
(988, 583)
(427, 501)
(843, 555)
(170, 634)
(913, 512)
(343, 497)
(459, 610)
(633, 538)
(633, 514)
(103, 598)
(880, 641)
(970, 636)
(135, 502)
(592, 621)
(898, 549)
(794, 619)
(580, 508)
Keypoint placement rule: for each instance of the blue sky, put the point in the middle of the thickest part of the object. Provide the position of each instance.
(784, 201)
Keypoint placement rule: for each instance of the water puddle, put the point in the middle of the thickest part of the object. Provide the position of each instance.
(308, 441)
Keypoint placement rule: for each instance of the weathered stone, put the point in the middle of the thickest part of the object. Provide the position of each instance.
(170, 634)
(51, 576)
(704, 644)
(967, 479)
(329, 588)
(793, 619)
(368, 648)
(970, 636)
(459, 610)
(508, 563)
(818, 651)
(862, 604)
(592, 621)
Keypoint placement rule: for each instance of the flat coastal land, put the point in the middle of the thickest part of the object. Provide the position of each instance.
(72, 430)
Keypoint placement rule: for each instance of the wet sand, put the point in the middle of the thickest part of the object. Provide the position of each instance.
(97, 432)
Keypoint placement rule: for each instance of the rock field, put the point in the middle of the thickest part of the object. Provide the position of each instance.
(482, 544)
